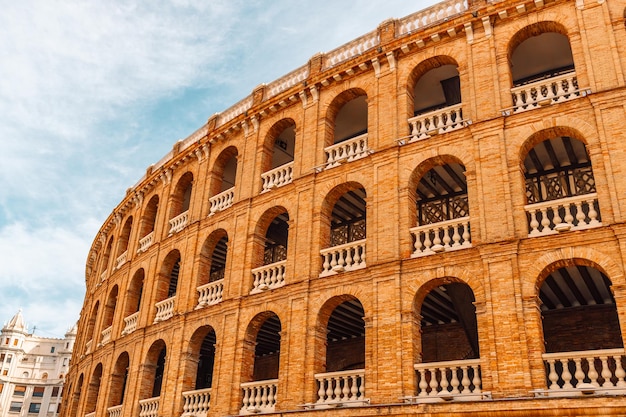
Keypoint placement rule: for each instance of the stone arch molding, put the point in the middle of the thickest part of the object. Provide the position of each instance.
(537, 271)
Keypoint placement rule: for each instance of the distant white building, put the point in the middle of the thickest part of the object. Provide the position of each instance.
(32, 370)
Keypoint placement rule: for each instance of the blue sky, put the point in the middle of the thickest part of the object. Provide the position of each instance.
(92, 93)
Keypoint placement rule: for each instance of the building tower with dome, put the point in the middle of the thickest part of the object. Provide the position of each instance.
(428, 219)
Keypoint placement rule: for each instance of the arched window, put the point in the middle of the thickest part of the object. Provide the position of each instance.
(278, 154)
(105, 259)
(442, 209)
(449, 349)
(91, 327)
(179, 203)
(93, 390)
(122, 243)
(167, 285)
(198, 370)
(153, 375)
(119, 380)
(345, 229)
(212, 268)
(223, 179)
(109, 314)
(542, 66)
(555, 169)
(274, 229)
(346, 139)
(580, 321)
(148, 220)
(75, 398)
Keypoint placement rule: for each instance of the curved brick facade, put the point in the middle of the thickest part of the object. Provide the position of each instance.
(425, 220)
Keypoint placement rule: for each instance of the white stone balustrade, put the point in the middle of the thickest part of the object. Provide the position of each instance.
(103, 275)
(287, 81)
(196, 403)
(277, 177)
(550, 90)
(259, 396)
(435, 122)
(346, 151)
(438, 381)
(432, 15)
(149, 407)
(88, 346)
(346, 257)
(571, 213)
(594, 371)
(165, 309)
(443, 236)
(106, 335)
(179, 222)
(345, 387)
(351, 49)
(130, 323)
(115, 411)
(268, 277)
(222, 201)
(210, 294)
(121, 260)
(145, 242)
(93, 414)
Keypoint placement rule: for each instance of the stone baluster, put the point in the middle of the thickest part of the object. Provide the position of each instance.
(566, 376)
(606, 372)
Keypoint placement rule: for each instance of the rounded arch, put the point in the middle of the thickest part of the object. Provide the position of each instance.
(538, 51)
(93, 389)
(119, 380)
(148, 218)
(105, 256)
(75, 396)
(433, 84)
(545, 134)
(344, 216)
(91, 324)
(261, 356)
(167, 283)
(279, 143)
(224, 172)
(213, 257)
(109, 307)
(346, 116)
(154, 370)
(180, 199)
(271, 236)
(134, 292)
(198, 368)
(124, 239)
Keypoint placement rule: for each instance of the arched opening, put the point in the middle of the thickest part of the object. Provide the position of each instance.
(447, 362)
(261, 360)
(133, 302)
(75, 398)
(346, 139)
(122, 243)
(542, 66)
(179, 203)
(148, 221)
(442, 208)
(346, 230)
(212, 268)
(119, 380)
(105, 259)
(93, 390)
(274, 224)
(559, 168)
(91, 327)
(581, 328)
(109, 314)
(153, 371)
(223, 180)
(167, 285)
(278, 155)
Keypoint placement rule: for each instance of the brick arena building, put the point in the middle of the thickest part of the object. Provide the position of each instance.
(426, 220)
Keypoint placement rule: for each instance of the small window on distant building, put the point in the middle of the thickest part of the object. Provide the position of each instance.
(1, 357)
(16, 406)
(1, 388)
(67, 345)
(55, 392)
(9, 358)
(52, 349)
(14, 342)
(34, 408)
(44, 376)
(6, 341)
(19, 391)
(64, 361)
(5, 372)
(38, 391)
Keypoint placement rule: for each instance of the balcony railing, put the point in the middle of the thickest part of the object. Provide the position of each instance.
(178, 223)
(439, 381)
(165, 309)
(121, 260)
(130, 323)
(222, 201)
(145, 242)
(92, 414)
(587, 372)
(544, 92)
(571, 213)
(259, 396)
(103, 275)
(346, 151)
(346, 388)
(196, 403)
(268, 277)
(149, 407)
(115, 411)
(88, 346)
(210, 293)
(346, 257)
(435, 122)
(277, 177)
(443, 236)
(106, 335)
